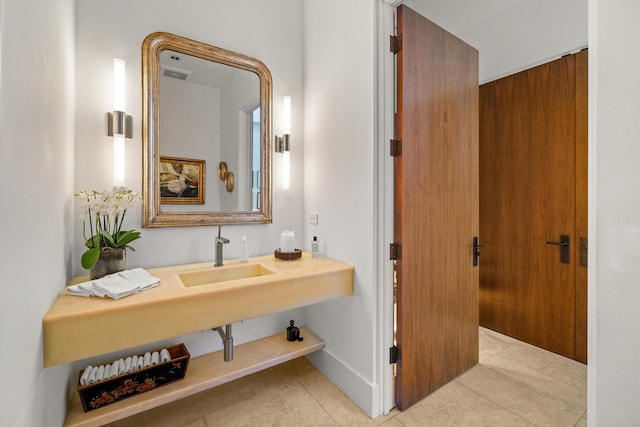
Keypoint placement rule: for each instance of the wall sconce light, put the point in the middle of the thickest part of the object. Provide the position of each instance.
(282, 142)
(119, 125)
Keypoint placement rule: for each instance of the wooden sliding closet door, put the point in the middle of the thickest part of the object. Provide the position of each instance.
(530, 123)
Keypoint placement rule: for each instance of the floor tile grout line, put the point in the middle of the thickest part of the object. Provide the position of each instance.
(496, 403)
(491, 399)
(533, 369)
(584, 415)
(318, 402)
(532, 365)
(497, 370)
(395, 418)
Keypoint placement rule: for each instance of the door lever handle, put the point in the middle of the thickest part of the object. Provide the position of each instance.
(476, 251)
(564, 248)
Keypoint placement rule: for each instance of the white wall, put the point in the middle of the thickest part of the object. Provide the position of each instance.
(190, 128)
(339, 184)
(36, 171)
(270, 31)
(517, 37)
(527, 34)
(614, 291)
(267, 30)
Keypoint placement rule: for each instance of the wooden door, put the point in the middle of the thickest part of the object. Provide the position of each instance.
(436, 207)
(527, 202)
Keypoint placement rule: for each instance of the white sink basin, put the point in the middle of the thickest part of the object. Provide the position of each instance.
(224, 274)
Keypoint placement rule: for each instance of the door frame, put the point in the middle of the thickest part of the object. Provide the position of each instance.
(385, 106)
(384, 192)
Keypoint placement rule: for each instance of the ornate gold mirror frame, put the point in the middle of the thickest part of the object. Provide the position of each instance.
(153, 216)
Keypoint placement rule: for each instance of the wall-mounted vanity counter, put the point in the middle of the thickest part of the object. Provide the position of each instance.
(76, 328)
(191, 298)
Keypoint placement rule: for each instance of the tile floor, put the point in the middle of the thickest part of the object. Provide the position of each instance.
(515, 384)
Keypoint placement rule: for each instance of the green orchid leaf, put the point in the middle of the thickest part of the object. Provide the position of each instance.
(107, 236)
(90, 257)
(93, 242)
(126, 237)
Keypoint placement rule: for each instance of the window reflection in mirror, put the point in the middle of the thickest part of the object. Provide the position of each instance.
(254, 142)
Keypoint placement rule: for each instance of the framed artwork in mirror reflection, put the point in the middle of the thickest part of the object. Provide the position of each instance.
(181, 181)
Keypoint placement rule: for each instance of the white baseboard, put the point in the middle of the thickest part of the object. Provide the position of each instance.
(360, 391)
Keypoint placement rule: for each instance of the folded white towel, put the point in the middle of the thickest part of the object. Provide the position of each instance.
(78, 291)
(85, 289)
(165, 356)
(140, 277)
(147, 359)
(88, 287)
(155, 358)
(92, 375)
(117, 285)
(85, 375)
(134, 363)
(140, 363)
(121, 366)
(100, 373)
(127, 364)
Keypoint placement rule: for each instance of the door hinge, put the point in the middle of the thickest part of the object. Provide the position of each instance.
(395, 44)
(394, 355)
(395, 251)
(395, 147)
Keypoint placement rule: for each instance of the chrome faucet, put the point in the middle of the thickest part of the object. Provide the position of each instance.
(219, 242)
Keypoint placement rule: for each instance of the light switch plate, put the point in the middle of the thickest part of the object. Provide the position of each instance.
(313, 218)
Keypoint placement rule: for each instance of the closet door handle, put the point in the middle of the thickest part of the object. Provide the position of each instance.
(564, 248)
(476, 251)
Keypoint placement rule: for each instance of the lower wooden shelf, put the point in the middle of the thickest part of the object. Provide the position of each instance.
(204, 372)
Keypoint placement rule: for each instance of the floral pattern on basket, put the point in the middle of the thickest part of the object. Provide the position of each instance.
(104, 393)
(128, 387)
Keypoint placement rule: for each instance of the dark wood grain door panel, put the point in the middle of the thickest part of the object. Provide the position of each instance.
(436, 207)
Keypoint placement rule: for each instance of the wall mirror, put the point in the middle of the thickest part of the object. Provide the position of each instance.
(206, 134)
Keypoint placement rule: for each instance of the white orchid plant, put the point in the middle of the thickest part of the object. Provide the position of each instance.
(103, 214)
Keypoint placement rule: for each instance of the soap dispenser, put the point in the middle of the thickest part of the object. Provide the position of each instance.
(243, 253)
(293, 332)
(315, 247)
